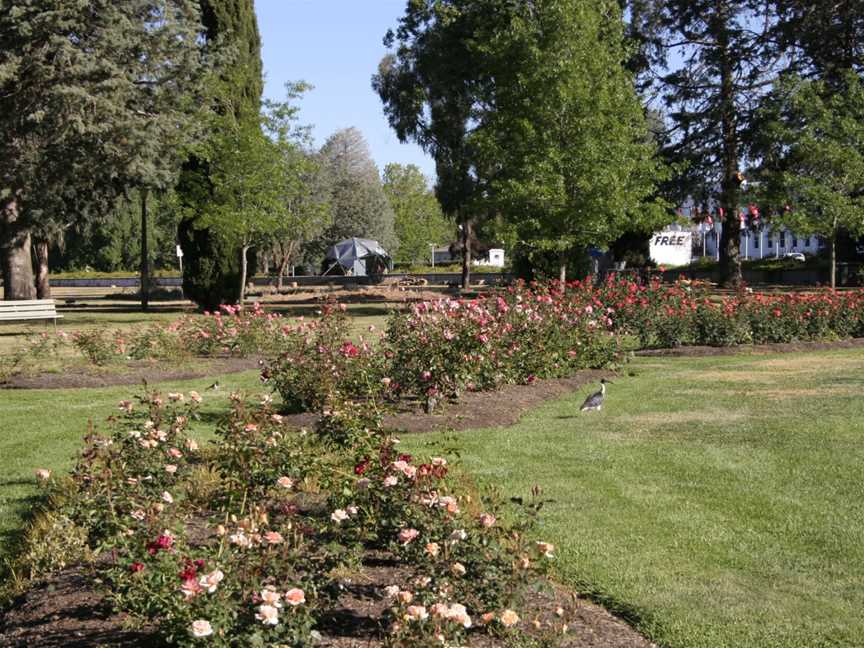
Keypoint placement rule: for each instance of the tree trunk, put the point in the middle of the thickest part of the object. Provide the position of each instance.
(466, 254)
(833, 262)
(562, 269)
(243, 267)
(43, 284)
(730, 247)
(283, 266)
(15, 254)
(145, 255)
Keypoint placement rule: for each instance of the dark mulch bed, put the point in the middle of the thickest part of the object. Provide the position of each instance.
(65, 611)
(473, 410)
(133, 373)
(752, 349)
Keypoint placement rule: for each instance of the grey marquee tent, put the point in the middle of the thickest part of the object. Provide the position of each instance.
(357, 257)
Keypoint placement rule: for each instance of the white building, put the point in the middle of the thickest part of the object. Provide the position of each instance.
(756, 244)
(494, 257)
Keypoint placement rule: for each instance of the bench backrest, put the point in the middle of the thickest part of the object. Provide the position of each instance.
(28, 309)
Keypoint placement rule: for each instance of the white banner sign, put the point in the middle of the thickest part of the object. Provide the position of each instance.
(672, 248)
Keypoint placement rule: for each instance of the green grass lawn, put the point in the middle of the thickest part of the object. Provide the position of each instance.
(716, 502)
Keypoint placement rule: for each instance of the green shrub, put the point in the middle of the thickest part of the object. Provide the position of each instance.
(211, 267)
(97, 345)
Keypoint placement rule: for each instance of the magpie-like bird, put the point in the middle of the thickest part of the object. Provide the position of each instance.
(595, 400)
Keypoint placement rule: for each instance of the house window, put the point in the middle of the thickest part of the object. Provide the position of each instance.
(794, 241)
(807, 242)
(770, 242)
(782, 239)
(756, 241)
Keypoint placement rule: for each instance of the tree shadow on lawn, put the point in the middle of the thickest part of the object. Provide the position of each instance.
(27, 507)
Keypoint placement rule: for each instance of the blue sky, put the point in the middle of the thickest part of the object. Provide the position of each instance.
(335, 45)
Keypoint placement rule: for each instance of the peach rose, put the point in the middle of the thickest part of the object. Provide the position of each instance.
(416, 613)
(211, 581)
(295, 596)
(407, 535)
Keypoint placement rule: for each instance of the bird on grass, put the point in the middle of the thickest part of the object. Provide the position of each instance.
(595, 401)
(214, 386)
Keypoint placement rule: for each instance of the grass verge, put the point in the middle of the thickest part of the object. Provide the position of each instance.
(714, 502)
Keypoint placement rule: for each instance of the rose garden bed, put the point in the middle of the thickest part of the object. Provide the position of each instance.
(198, 544)
(65, 610)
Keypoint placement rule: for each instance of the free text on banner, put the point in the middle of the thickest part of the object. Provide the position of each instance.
(671, 248)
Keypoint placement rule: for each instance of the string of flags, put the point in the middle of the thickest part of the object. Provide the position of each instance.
(751, 217)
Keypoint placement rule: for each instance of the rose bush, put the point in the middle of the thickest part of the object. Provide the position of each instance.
(260, 557)
(669, 315)
(442, 348)
(318, 364)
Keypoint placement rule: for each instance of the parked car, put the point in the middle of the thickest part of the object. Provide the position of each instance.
(798, 256)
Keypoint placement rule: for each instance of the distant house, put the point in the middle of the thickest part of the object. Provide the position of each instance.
(443, 256)
(759, 243)
(485, 254)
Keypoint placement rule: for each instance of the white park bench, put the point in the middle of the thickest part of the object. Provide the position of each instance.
(27, 310)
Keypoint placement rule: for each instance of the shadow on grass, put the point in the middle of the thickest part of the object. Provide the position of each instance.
(212, 417)
(624, 611)
(11, 539)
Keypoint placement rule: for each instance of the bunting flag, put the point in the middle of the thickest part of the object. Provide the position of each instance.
(742, 217)
(754, 214)
(708, 220)
(721, 214)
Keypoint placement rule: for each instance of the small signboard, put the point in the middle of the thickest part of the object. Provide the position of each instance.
(671, 248)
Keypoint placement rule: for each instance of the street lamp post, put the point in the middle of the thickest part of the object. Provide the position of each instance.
(432, 250)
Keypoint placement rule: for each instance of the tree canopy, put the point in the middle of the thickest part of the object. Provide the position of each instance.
(813, 157)
(95, 98)
(418, 219)
(357, 202)
(566, 148)
(428, 88)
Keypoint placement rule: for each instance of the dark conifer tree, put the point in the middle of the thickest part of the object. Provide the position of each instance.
(710, 61)
(96, 98)
(212, 266)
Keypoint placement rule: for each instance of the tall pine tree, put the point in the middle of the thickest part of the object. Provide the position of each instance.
(357, 202)
(213, 265)
(710, 61)
(94, 99)
(825, 39)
